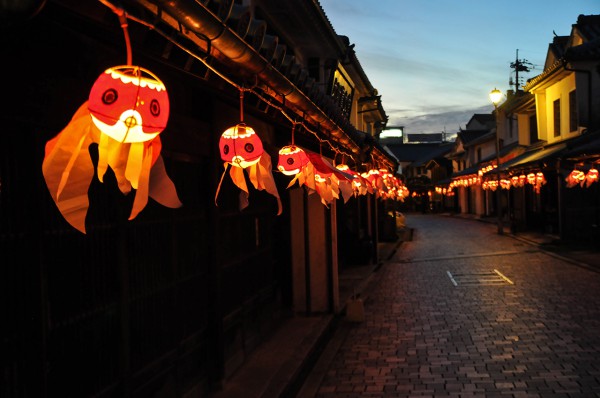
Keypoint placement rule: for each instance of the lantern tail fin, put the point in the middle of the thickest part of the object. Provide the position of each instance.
(143, 177)
(68, 169)
(309, 180)
(265, 179)
(221, 182)
(162, 188)
(346, 189)
(296, 178)
(238, 178)
(136, 163)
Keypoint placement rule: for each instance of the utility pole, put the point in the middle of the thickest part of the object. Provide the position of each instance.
(520, 65)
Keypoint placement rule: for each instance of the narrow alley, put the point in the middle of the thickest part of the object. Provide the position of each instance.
(461, 311)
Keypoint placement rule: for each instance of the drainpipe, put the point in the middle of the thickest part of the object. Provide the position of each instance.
(229, 47)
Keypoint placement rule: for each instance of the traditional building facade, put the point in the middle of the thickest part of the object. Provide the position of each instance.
(542, 174)
(171, 300)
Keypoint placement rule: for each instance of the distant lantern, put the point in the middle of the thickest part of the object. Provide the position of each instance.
(291, 160)
(531, 178)
(515, 181)
(129, 104)
(591, 177)
(576, 177)
(240, 146)
(539, 178)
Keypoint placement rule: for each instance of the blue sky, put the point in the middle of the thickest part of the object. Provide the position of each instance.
(435, 61)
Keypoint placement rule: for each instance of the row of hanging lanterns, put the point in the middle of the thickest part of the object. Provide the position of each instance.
(580, 178)
(535, 179)
(446, 191)
(128, 108)
(241, 148)
(465, 181)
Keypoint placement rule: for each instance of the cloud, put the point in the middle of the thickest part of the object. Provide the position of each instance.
(450, 121)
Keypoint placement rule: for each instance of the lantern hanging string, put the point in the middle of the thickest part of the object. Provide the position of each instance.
(267, 101)
(124, 25)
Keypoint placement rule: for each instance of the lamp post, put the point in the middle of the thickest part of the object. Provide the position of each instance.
(495, 97)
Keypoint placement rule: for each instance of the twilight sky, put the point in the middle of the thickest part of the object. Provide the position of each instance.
(435, 61)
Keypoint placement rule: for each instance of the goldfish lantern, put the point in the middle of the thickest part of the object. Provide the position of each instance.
(292, 160)
(591, 177)
(576, 177)
(531, 178)
(129, 104)
(128, 107)
(240, 146)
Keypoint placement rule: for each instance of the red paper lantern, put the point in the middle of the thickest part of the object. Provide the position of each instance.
(129, 104)
(591, 177)
(240, 146)
(291, 160)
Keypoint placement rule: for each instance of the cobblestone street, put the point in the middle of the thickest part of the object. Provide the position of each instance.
(461, 311)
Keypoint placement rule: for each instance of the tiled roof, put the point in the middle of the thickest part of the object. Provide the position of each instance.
(588, 27)
(483, 118)
(520, 100)
(584, 52)
(558, 45)
(436, 153)
(469, 136)
(412, 152)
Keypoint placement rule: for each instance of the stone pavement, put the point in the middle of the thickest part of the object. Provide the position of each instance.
(423, 336)
(461, 311)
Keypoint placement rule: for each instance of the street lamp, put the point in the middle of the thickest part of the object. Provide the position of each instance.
(495, 97)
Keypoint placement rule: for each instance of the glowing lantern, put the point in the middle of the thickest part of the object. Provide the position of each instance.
(531, 178)
(591, 177)
(291, 160)
(574, 178)
(240, 146)
(320, 176)
(358, 184)
(127, 109)
(129, 104)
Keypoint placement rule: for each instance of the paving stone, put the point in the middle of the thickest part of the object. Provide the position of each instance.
(423, 336)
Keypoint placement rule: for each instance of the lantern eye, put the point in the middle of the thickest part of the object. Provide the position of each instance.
(226, 149)
(154, 108)
(290, 161)
(249, 147)
(110, 96)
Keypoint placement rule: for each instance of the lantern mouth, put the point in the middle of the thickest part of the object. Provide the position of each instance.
(127, 129)
(288, 172)
(239, 161)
